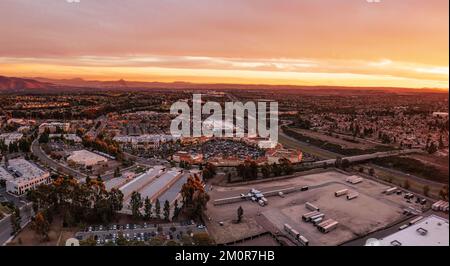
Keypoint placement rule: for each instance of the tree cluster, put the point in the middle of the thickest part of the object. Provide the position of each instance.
(150, 210)
(76, 202)
(194, 196)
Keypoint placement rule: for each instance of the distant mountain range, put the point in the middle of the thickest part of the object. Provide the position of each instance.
(19, 84)
(46, 85)
(79, 82)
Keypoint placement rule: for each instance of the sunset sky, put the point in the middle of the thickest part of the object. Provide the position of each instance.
(399, 43)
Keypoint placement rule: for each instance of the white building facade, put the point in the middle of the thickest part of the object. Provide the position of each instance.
(26, 176)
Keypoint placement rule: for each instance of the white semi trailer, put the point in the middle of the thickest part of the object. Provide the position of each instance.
(353, 195)
(391, 190)
(311, 206)
(341, 192)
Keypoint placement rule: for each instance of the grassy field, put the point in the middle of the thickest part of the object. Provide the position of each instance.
(346, 142)
(413, 185)
(289, 143)
(414, 167)
(417, 168)
(57, 234)
(333, 147)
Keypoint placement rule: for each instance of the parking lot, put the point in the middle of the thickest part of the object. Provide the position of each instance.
(226, 148)
(370, 211)
(139, 232)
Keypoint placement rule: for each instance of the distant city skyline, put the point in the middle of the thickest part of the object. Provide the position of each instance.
(402, 43)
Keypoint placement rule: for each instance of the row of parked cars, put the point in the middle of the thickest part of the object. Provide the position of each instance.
(119, 227)
(103, 238)
(140, 237)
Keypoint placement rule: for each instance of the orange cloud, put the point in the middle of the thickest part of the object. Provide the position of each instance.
(402, 43)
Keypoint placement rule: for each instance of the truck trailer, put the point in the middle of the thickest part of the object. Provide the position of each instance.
(311, 206)
(352, 195)
(307, 216)
(341, 192)
(329, 227)
(391, 190)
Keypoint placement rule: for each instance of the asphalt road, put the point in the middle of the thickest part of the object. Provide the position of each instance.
(145, 161)
(40, 154)
(5, 224)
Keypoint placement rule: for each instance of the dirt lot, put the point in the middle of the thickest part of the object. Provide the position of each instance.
(371, 211)
(58, 235)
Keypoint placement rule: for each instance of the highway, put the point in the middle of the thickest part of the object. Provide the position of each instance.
(365, 157)
(329, 157)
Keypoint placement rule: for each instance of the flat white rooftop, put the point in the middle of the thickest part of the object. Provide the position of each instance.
(141, 181)
(430, 231)
(24, 171)
(160, 183)
(5, 175)
(86, 157)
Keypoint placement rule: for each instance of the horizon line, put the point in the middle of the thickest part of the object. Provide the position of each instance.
(435, 89)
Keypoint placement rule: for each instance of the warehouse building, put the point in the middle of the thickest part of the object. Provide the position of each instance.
(429, 231)
(86, 158)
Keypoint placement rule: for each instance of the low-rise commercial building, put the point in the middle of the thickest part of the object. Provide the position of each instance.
(275, 155)
(53, 127)
(191, 158)
(26, 176)
(430, 231)
(9, 138)
(86, 158)
(20, 121)
(69, 137)
(146, 141)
